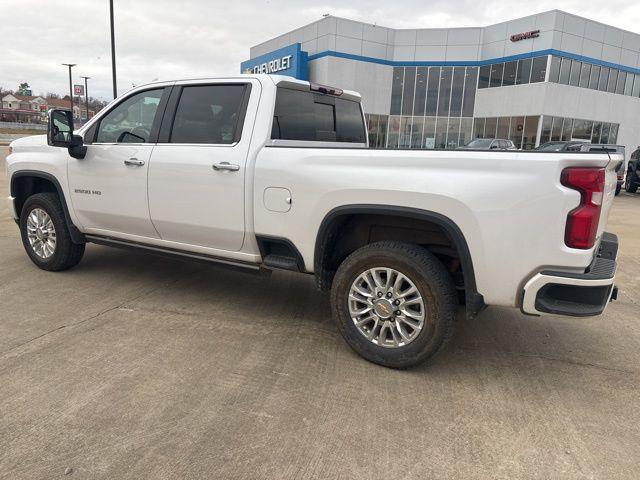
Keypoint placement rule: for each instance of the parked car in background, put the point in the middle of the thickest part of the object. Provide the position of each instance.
(620, 169)
(632, 181)
(489, 144)
(561, 146)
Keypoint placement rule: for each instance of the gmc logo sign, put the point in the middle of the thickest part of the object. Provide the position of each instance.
(523, 36)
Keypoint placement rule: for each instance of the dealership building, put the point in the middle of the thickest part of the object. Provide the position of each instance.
(550, 76)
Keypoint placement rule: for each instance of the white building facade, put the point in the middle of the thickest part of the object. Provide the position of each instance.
(550, 76)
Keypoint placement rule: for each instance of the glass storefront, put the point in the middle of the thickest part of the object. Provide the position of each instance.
(595, 77)
(559, 128)
(432, 107)
(515, 72)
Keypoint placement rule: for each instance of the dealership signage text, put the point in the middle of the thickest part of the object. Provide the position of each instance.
(523, 36)
(275, 65)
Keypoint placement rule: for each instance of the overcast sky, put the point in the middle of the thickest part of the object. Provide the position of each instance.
(158, 39)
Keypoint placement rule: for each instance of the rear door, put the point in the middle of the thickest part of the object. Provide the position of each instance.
(197, 171)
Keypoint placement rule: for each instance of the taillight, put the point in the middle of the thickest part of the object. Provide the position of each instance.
(582, 221)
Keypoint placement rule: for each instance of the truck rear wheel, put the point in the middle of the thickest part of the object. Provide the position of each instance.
(394, 303)
(45, 235)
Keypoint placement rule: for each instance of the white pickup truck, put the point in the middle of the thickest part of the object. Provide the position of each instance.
(267, 172)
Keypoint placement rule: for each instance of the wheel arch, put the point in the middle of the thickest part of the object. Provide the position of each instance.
(331, 223)
(25, 183)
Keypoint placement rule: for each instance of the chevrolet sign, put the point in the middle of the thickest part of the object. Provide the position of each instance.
(290, 60)
(272, 66)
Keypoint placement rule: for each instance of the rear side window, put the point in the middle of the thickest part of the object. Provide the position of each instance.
(312, 116)
(208, 114)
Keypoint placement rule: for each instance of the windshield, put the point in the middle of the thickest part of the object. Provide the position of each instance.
(480, 143)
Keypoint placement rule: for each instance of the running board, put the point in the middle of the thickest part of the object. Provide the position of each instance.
(171, 252)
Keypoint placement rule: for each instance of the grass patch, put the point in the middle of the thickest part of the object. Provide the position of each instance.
(20, 131)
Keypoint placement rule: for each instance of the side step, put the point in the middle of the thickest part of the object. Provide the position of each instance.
(281, 262)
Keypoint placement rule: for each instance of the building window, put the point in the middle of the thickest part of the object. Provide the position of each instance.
(539, 69)
(554, 73)
(509, 76)
(523, 74)
(485, 76)
(396, 90)
(628, 86)
(490, 127)
(422, 76)
(496, 75)
(574, 76)
(636, 86)
(469, 97)
(545, 132)
(585, 72)
(585, 75)
(517, 130)
(565, 71)
(444, 98)
(457, 89)
(409, 89)
(478, 127)
(432, 91)
(594, 77)
(622, 78)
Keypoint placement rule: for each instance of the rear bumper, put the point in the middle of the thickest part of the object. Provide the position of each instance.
(575, 294)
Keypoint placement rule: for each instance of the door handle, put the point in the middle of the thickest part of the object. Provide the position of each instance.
(134, 161)
(226, 166)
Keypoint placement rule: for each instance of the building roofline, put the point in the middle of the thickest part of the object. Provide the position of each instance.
(555, 10)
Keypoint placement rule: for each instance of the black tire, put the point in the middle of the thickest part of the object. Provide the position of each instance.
(629, 184)
(618, 188)
(432, 281)
(66, 254)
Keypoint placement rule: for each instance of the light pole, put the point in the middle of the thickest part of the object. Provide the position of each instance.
(70, 84)
(113, 51)
(86, 95)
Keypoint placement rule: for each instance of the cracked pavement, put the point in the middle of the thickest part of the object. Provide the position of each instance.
(136, 366)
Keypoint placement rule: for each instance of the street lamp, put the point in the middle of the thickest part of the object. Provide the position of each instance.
(113, 51)
(70, 84)
(86, 95)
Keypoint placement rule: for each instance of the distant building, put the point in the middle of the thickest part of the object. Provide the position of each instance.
(33, 109)
(545, 77)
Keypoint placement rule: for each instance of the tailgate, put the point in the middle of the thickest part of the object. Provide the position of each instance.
(611, 180)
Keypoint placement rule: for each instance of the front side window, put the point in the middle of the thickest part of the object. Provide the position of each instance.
(308, 116)
(131, 120)
(208, 114)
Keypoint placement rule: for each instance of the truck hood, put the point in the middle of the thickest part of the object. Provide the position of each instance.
(25, 143)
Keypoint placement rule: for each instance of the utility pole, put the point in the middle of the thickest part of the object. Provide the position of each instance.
(86, 95)
(113, 51)
(70, 84)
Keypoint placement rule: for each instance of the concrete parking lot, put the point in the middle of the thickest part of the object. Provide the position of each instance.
(135, 366)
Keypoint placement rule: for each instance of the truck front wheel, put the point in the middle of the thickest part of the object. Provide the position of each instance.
(45, 234)
(394, 303)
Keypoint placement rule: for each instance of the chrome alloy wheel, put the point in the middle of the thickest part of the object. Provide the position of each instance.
(386, 307)
(41, 233)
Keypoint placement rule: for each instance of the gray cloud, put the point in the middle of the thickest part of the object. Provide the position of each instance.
(171, 39)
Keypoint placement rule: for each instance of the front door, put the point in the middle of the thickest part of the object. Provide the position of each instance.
(197, 172)
(109, 186)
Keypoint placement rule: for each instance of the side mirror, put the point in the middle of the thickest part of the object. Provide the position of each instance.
(60, 133)
(494, 147)
(60, 128)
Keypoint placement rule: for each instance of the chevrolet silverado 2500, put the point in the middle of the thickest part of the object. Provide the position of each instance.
(268, 172)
